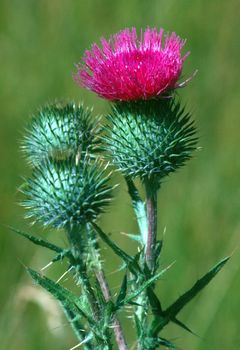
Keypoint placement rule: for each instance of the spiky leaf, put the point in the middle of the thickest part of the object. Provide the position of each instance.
(39, 241)
(129, 261)
(123, 291)
(177, 306)
(66, 298)
(143, 287)
(171, 312)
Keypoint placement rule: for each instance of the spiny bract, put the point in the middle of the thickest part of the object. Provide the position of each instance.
(62, 193)
(59, 131)
(149, 138)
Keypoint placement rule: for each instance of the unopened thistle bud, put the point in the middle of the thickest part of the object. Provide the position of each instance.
(63, 194)
(60, 131)
(149, 139)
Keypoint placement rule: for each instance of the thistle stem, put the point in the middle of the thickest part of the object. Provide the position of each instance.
(77, 248)
(117, 328)
(151, 206)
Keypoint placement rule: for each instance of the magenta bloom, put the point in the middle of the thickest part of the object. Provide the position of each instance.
(131, 68)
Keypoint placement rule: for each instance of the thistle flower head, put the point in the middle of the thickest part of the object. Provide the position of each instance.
(62, 193)
(131, 68)
(59, 131)
(149, 139)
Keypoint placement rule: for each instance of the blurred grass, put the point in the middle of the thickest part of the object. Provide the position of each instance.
(200, 206)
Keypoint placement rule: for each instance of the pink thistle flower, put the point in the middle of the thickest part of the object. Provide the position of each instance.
(128, 68)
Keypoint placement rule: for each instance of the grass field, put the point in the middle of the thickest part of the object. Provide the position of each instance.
(40, 41)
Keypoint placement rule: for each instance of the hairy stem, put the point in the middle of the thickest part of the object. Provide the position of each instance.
(117, 328)
(77, 248)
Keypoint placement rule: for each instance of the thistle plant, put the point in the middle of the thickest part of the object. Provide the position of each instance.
(147, 135)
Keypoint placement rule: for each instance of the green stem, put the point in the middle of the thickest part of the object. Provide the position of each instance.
(78, 251)
(117, 328)
(79, 248)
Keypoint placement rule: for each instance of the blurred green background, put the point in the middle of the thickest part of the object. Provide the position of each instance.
(40, 41)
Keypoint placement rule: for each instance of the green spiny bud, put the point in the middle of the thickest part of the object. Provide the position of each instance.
(64, 194)
(149, 139)
(60, 131)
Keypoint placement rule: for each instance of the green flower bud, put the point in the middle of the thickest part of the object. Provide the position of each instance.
(62, 193)
(60, 131)
(149, 139)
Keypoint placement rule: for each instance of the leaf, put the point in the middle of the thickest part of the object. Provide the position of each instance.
(184, 299)
(166, 343)
(37, 241)
(139, 208)
(154, 342)
(171, 312)
(67, 299)
(144, 285)
(100, 297)
(123, 291)
(182, 325)
(130, 262)
(158, 250)
(154, 302)
(78, 328)
(138, 326)
(134, 303)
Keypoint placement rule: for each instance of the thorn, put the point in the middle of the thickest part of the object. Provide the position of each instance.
(63, 275)
(164, 231)
(115, 271)
(184, 83)
(76, 346)
(83, 342)
(233, 252)
(106, 166)
(22, 263)
(45, 267)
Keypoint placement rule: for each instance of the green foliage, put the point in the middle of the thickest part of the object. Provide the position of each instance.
(73, 306)
(60, 131)
(163, 318)
(140, 210)
(38, 46)
(144, 287)
(68, 189)
(183, 300)
(62, 193)
(63, 295)
(38, 241)
(149, 138)
(129, 261)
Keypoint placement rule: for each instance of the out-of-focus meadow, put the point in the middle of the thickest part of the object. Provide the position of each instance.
(40, 41)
